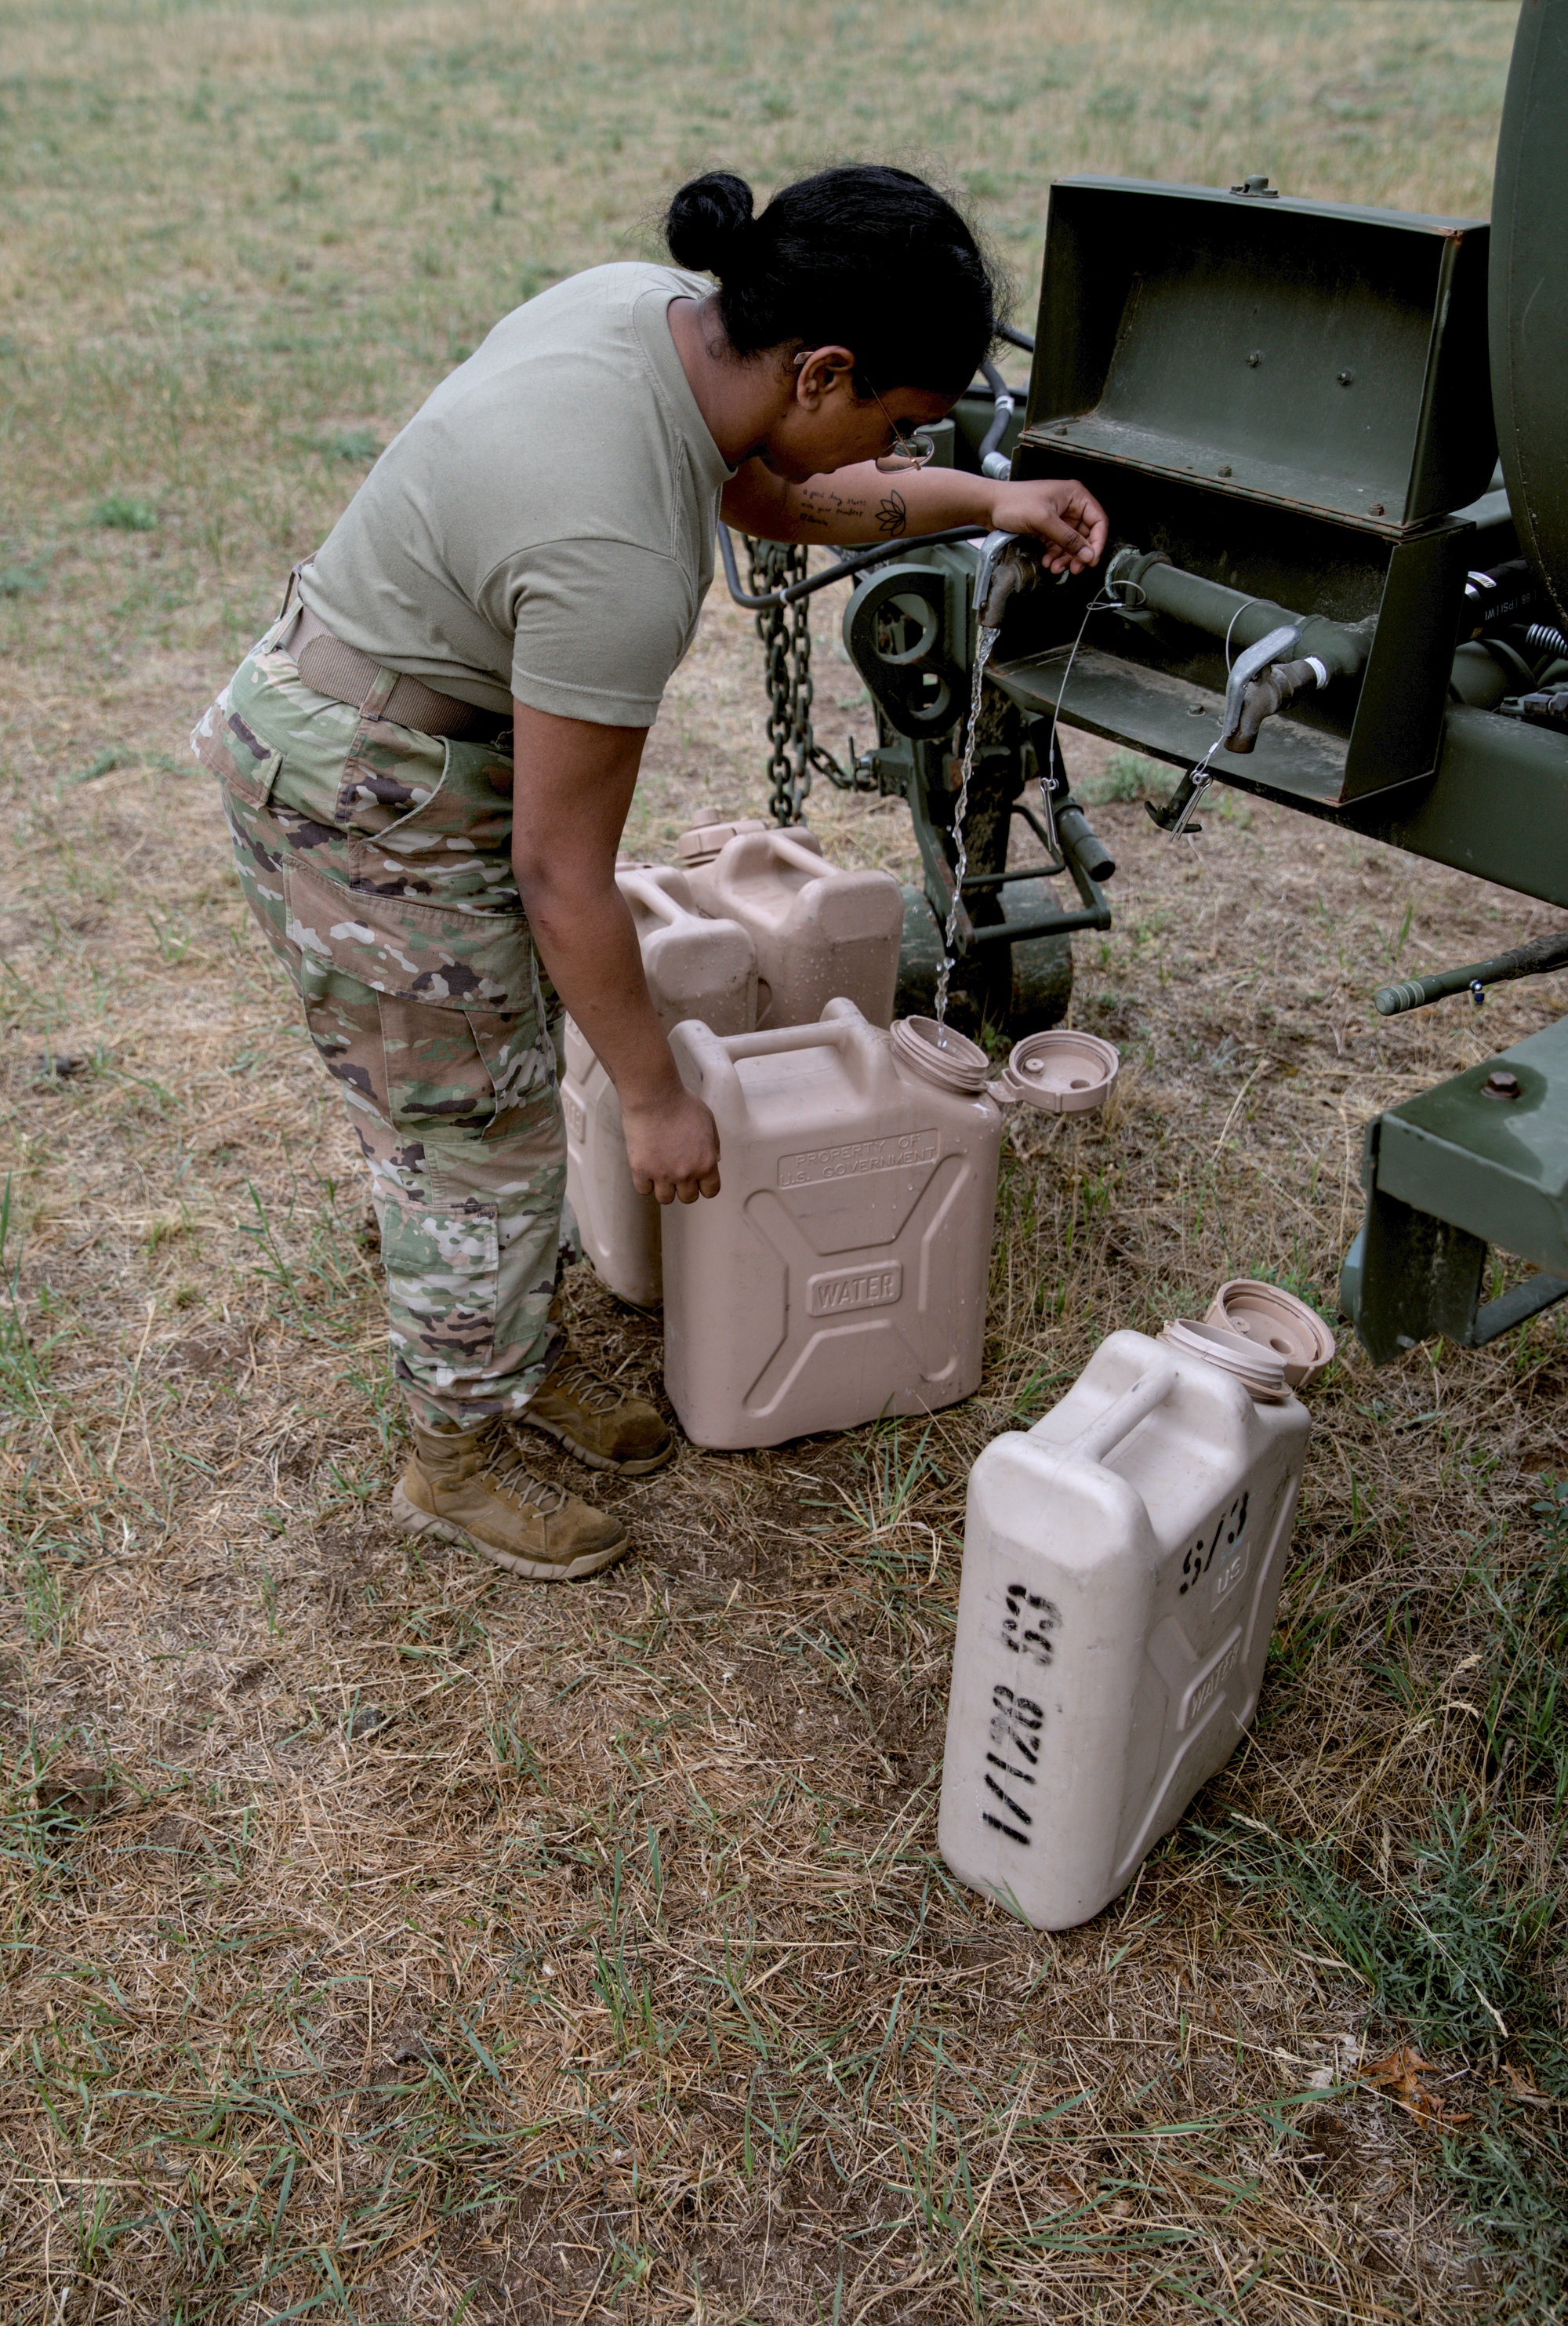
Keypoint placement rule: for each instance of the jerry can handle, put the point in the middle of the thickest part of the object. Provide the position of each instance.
(1121, 1418)
(651, 894)
(794, 851)
(839, 1028)
(817, 1034)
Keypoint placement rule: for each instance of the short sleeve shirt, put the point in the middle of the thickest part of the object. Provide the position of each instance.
(544, 526)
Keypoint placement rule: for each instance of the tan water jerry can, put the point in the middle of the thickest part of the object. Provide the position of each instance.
(1122, 1562)
(696, 967)
(819, 932)
(841, 1271)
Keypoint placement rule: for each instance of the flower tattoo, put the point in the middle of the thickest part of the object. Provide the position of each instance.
(891, 515)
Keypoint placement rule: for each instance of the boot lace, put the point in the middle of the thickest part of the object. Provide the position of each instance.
(579, 1382)
(507, 1466)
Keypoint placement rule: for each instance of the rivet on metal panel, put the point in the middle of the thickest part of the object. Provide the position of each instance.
(1223, 469)
(1500, 1083)
(1344, 377)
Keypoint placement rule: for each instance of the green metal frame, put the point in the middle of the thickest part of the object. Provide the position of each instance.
(1287, 406)
(1450, 1174)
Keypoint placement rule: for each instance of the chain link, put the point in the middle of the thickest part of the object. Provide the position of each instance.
(794, 755)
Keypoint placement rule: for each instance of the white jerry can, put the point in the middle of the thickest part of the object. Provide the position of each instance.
(840, 1273)
(696, 967)
(1122, 1563)
(821, 932)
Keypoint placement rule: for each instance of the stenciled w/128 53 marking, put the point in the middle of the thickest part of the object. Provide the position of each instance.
(1228, 1529)
(1017, 1722)
(1028, 1624)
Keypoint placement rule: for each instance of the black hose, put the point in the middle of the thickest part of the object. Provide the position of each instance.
(856, 563)
(1002, 396)
(1544, 638)
(1016, 339)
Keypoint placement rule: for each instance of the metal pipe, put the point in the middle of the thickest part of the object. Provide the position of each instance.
(1083, 844)
(1165, 589)
(1532, 960)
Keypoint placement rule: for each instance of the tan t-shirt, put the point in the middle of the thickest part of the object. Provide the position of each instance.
(544, 526)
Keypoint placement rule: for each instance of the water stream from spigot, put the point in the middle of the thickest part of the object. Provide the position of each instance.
(985, 640)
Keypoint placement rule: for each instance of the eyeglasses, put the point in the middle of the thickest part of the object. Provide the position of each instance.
(911, 452)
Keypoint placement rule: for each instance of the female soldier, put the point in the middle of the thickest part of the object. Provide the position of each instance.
(428, 759)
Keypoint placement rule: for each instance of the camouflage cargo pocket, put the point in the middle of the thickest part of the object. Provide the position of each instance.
(230, 750)
(395, 945)
(469, 1072)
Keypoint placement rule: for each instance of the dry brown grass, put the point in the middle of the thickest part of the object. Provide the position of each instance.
(418, 1946)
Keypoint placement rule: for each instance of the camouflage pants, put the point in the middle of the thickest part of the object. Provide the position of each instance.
(378, 861)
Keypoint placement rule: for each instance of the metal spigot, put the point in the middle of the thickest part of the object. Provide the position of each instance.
(1009, 561)
(1261, 683)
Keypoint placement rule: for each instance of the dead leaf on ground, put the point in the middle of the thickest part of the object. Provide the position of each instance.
(1398, 2078)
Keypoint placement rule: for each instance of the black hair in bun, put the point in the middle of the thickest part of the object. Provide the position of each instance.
(862, 257)
(710, 222)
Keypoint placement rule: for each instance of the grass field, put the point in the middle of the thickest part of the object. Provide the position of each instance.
(387, 1940)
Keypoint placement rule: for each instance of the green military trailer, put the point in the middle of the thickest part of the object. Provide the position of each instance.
(1332, 443)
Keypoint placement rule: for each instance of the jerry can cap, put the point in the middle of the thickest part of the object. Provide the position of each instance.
(1062, 1072)
(1276, 1320)
(700, 843)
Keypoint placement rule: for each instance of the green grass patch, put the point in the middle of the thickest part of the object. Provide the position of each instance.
(1128, 775)
(121, 513)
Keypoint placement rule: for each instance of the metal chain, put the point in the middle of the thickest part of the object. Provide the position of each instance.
(795, 754)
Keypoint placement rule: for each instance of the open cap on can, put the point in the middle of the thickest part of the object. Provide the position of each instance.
(1063, 1072)
(1277, 1321)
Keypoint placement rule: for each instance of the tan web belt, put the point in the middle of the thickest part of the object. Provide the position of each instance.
(335, 669)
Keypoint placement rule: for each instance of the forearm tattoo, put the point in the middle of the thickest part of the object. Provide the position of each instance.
(821, 505)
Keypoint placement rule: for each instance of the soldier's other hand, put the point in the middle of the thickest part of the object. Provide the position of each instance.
(673, 1147)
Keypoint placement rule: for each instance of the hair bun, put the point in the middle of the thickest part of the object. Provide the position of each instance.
(709, 223)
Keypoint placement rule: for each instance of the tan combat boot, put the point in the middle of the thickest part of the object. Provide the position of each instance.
(597, 1422)
(470, 1486)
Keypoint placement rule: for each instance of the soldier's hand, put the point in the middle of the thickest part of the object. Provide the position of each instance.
(673, 1147)
(1058, 511)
